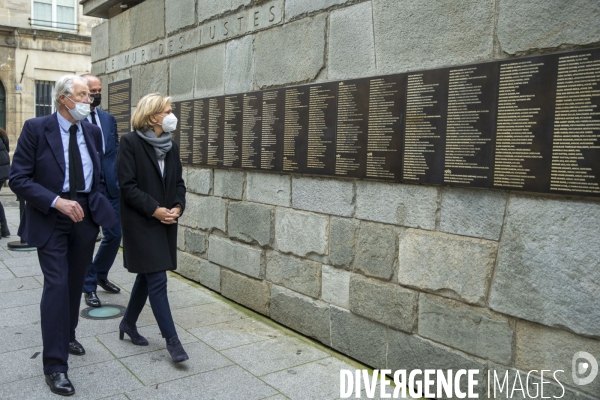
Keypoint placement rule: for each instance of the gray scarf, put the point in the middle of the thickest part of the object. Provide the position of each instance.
(161, 144)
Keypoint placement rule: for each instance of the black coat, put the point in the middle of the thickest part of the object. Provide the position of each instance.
(4, 158)
(148, 245)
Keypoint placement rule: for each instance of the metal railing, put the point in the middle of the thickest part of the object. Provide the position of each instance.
(65, 26)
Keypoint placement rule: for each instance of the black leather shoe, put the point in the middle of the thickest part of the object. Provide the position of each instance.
(92, 300)
(59, 383)
(76, 348)
(108, 286)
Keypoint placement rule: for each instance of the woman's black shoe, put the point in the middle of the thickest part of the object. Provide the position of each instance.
(59, 383)
(131, 331)
(176, 350)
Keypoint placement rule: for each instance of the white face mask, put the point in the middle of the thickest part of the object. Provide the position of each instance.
(81, 110)
(169, 123)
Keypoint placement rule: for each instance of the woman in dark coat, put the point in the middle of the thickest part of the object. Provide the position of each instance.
(4, 168)
(152, 198)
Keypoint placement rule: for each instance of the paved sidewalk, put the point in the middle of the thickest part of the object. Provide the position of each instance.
(234, 353)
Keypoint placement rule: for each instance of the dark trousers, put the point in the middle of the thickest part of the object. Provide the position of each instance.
(107, 252)
(152, 285)
(64, 260)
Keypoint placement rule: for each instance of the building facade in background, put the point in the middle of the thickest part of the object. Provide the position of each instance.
(398, 276)
(39, 42)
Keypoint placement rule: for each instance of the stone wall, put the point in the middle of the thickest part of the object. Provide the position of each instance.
(397, 276)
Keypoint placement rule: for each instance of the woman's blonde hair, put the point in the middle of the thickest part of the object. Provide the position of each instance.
(149, 105)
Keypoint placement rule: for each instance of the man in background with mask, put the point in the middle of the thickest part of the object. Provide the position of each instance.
(98, 271)
(57, 169)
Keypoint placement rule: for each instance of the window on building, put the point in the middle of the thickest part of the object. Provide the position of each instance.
(43, 98)
(55, 14)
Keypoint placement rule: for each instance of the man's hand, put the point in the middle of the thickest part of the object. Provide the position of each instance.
(167, 216)
(70, 208)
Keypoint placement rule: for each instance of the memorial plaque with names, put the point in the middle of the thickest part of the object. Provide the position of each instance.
(530, 124)
(175, 134)
(295, 129)
(200, 132)
(322, 119)
(185, 109)
(251, 131)
(119, 105)
(384, 139)
(470, 125)
(232, 131)
(576, 143)
(272, 130)
(524, 122)
(214, 146)
(425, 126)
(352, 128)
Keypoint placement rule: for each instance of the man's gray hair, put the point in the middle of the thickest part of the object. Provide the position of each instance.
(64, 85)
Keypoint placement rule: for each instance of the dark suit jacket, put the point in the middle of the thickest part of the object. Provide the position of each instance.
(37, 175)
(148, 245)
(111, 143)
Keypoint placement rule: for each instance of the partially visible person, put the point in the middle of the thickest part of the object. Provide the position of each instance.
(4, 169)
(152, 199)
(57, 170)
(109, 247)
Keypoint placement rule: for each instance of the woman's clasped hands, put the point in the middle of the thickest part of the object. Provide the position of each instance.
(167, 216)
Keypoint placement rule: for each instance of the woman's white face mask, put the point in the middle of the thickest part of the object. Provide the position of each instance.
(169, 123)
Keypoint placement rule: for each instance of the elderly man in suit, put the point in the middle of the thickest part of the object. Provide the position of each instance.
(57, 170)
(105, 257)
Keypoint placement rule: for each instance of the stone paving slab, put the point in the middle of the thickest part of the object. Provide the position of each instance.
(25, 363)
(235, 353)
(31, 260)
(5, 274)
(274, 355)
(4, 254)
(19, 337)
(96, 381)
(117, 397)
(121, 277)
(26, 270)
(226, 383)
(188, 298)
(20, 364)
(207, 314)
(157, 367)
(24, 298)
(324, 376)
(12, 253)
(20, 316)
(18, 284)
(233, 334)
